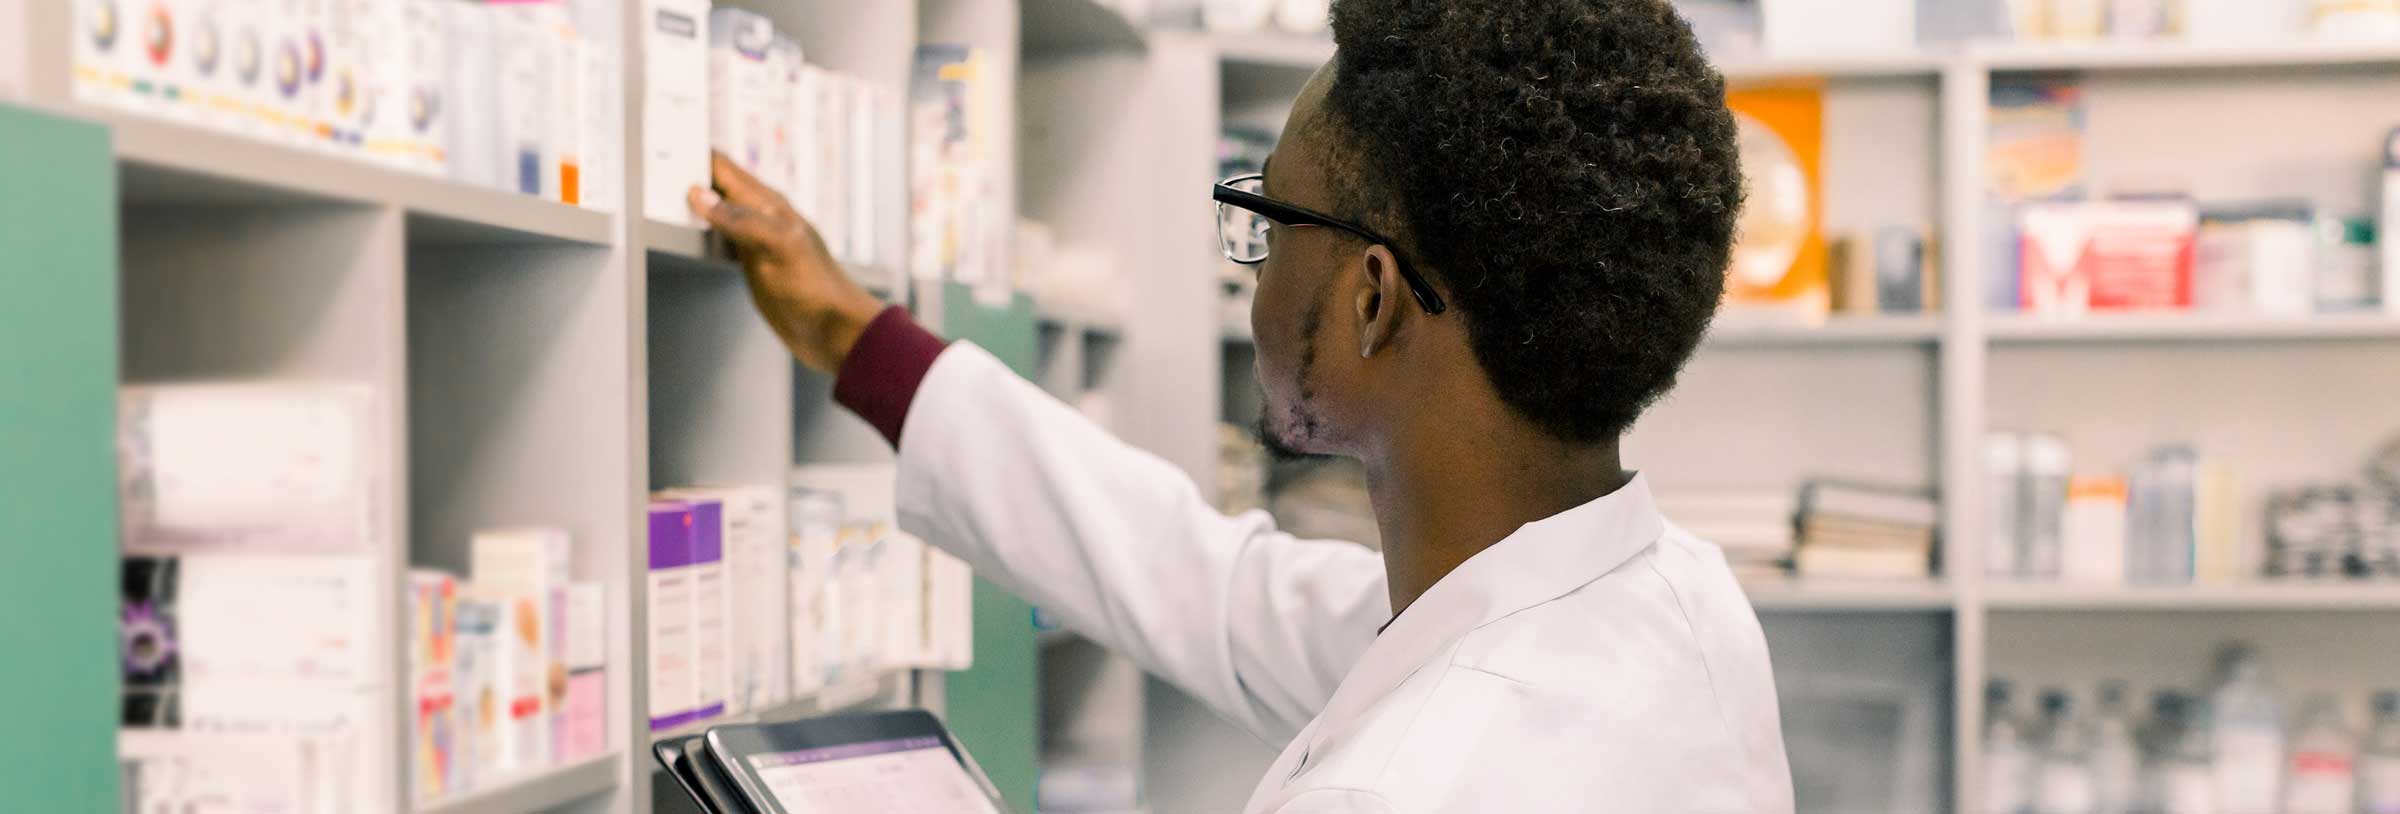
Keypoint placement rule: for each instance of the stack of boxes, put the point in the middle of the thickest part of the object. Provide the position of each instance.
(507, 664)
(820, 138)
(749, 611)
(501, 93)
(253, 671)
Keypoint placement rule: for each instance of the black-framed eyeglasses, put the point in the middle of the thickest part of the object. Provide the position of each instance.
(1244, 212)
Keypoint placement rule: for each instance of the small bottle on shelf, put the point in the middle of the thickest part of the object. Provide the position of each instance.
(2247, 734)
(2181, 775)
(2321, 779)
(2063, 781)
(2116, 758)
(2379, 759)
(2007, 755)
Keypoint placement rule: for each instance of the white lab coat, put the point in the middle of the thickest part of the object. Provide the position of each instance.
(1596, 660)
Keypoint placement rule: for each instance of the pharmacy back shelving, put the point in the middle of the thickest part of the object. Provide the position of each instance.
(1908, 399)
(550, 363)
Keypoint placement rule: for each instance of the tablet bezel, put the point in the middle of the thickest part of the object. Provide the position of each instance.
(732, 743)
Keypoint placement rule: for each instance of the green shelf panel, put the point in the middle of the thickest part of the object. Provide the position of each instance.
(58, 483)
(994, 707)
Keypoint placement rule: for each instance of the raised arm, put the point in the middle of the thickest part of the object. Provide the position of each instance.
(1113, 540)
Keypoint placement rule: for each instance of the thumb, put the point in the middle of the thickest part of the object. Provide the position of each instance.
(742, 224)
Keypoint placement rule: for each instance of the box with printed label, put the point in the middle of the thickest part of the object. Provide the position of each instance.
(432, 621)
(747, 84)
(2117, 255)
(675, 95)
(712, 608)
(673, 697)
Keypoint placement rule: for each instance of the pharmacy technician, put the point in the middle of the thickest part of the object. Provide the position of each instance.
(1492, 233)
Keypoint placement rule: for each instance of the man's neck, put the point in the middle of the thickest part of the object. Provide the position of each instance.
(1441, 497)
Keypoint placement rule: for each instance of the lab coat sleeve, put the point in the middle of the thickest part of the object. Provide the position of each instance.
(1337, 801)
(1118, 544)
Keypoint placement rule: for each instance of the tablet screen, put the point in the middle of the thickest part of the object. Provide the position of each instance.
(903, 776)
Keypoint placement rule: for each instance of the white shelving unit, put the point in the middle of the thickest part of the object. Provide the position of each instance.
(1908, 399)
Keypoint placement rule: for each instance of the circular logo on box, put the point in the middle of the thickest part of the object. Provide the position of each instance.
(246, 58)
(423, 105)
(316, 58)
(103, 25)
(158, 34)
(288, 69)
(205, 47)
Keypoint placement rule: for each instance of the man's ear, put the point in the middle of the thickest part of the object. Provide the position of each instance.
(1379, 300)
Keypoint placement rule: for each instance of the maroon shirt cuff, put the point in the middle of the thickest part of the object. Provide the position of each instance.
(880, 378)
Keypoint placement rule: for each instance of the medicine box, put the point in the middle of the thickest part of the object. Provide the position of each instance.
(476, 684)
(522, 678)
(675, 95)
(747, 85)
(432, 630)
(759, 633)
(424, 89)
(471, 139)
(527, 80)
(267, 464)
(674, 699)
(2119, 255)
(585, 732)
(712, 610)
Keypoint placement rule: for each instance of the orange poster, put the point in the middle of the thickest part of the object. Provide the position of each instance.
(1779, 255)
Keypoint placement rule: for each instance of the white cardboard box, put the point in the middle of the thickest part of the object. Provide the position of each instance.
(675, 98)
(528, 82)
(747, 94)
(282, 464)
(471, 138)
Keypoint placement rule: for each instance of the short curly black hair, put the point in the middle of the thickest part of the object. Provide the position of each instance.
(1566, 169)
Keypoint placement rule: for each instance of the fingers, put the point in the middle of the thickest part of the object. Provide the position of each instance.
(741, 187)
(745, 225)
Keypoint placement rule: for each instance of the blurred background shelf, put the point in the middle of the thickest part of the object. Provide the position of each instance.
(1849, 66)
(2190, 327)
(2260, 596)
(1877, 330)
(1073, 26)
(1274, 50)
(171, 163)
(2166, 55)
(1801, 594)
(539, 791)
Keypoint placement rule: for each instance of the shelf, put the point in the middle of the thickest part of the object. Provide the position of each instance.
(1090, 322)
(2172, 55)
(825, 701)
(1848, 595)
(1839, 331)
(1071, 26)
(1270, 49)
(2190, 328)
(676, 240)
(541, 791)
(171, 163)
(1852, 66)
(2258, 596)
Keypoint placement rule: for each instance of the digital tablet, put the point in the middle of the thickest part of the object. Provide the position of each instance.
(688, 760)
(900, 762)
(670, 756)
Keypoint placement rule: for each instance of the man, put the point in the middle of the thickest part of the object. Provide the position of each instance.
(1493, 232)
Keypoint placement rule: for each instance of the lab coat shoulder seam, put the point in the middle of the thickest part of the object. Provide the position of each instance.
(1417, 716)
(1715, 699)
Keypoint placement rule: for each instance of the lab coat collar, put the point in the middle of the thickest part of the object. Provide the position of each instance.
(1542, 561)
